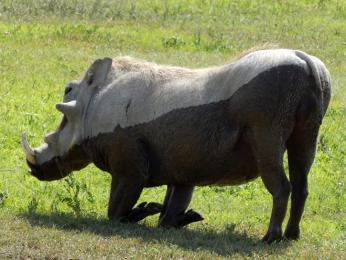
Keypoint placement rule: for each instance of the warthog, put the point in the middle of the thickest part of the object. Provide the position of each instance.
(150, 125)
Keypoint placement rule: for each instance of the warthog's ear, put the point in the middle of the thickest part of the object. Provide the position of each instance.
(98, 71)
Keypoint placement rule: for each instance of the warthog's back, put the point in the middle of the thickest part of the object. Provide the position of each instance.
(139, 96)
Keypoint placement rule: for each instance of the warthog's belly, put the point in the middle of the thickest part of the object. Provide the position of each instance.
(228, 167)
(197, 145)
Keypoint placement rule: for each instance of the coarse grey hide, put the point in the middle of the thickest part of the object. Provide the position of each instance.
(151, 125)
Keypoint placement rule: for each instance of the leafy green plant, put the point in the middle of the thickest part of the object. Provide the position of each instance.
(173, 42)
(3, 197)
(74, 192)
(32, 206)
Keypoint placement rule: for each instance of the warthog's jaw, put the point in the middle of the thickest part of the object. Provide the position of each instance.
(42, 162)
(48, 171)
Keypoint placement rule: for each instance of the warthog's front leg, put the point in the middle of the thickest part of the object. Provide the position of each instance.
(129, 165)
(176, 201)
(123, 196)
(144, 210)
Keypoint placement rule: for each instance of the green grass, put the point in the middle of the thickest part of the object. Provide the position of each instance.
(44, 44)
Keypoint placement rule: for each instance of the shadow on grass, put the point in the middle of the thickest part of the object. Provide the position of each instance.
(224, 243)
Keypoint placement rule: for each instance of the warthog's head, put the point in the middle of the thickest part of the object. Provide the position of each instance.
(61, 152)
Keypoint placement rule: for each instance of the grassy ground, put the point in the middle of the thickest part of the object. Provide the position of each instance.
(44, 44)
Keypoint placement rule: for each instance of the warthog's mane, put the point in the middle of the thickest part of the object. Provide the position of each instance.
(160, 71)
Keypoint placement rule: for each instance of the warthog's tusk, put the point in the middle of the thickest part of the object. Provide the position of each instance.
(68, 109)
(29, 152)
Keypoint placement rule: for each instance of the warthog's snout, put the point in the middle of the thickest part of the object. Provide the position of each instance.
(48, 170)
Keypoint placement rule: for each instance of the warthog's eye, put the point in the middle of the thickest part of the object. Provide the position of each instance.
(68, 89)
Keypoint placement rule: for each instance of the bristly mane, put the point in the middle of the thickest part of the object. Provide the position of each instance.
(127, 63)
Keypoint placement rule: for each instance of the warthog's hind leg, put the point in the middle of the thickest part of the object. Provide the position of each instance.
(269, 151)
(301, 152)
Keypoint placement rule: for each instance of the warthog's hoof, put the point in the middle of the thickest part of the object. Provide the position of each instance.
(144, 210)
(271, 236)
(181, 220)
(190, 216)
(292, 233)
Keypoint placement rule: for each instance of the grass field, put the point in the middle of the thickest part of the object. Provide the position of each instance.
(44, 44)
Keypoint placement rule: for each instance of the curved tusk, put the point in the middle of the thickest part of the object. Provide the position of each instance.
(29, 152)
(68, 109)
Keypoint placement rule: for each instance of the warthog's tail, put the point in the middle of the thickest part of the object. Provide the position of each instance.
(322, 78)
